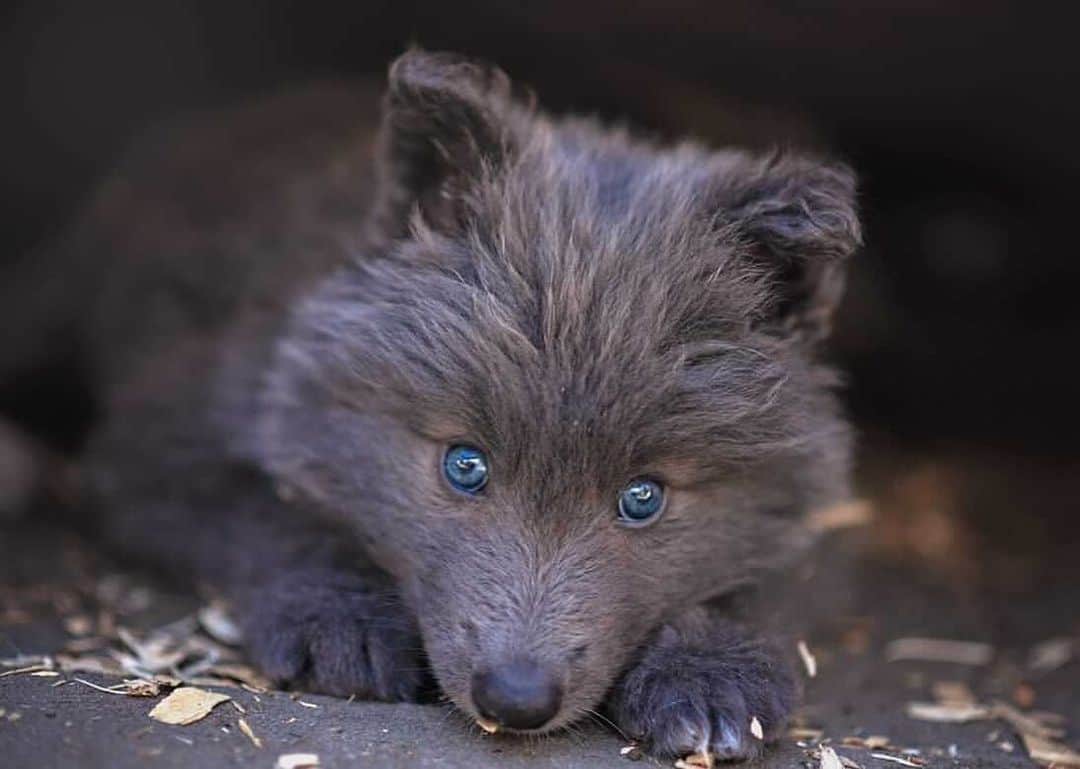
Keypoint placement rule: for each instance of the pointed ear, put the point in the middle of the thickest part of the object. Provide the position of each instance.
(444, 119)
(799, 216)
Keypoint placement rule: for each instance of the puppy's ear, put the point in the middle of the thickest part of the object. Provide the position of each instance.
(798, 215)
(445, 119)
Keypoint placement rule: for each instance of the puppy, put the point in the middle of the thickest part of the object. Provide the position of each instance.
(455, 387)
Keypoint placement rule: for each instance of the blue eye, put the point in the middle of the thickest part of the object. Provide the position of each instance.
(466, 468)
(640, 502)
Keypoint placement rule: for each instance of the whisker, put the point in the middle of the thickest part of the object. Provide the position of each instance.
(605, 721)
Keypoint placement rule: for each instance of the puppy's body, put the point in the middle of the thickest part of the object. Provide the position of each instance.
(290, 320)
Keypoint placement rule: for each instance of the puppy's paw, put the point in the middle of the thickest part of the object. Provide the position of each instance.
(335, 633)
(727, 700)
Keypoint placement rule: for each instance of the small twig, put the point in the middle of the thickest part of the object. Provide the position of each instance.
(896, 760)
(27, 669)
(99, 688)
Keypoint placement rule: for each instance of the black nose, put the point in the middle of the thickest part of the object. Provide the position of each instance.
(518, 695)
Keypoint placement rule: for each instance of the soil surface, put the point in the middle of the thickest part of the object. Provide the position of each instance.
(851, 607)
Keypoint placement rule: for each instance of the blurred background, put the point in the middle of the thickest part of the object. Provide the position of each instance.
(960, 325)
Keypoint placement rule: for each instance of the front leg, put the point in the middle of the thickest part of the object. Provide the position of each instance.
(700, 685)
(335, 631)
(316, 614)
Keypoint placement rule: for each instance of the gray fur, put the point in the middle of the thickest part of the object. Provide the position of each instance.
(585, 306)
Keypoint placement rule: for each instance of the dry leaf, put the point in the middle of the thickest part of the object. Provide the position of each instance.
(939, 650)
(187, 705)
(248, 733)
(96, 665)
(873, 742)
(1048, 752)
(798, 733)
(216, 621)
(829, 759)
(948, 713)
(137, 687)
(297, 761)
(953, 693)
(79, 624)
(1051, 654)
(1023, 723)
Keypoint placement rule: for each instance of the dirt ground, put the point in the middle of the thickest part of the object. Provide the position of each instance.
(851, 608)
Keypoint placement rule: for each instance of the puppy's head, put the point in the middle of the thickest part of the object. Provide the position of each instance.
(574, 391)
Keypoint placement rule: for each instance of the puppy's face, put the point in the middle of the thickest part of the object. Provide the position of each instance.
(574, 393)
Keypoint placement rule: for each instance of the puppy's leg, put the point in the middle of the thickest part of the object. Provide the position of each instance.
(315, 612)
(698, 687)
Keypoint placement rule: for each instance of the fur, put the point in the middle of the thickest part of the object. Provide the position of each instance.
(585, 306)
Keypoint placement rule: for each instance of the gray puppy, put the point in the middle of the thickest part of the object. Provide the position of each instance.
(516, 400)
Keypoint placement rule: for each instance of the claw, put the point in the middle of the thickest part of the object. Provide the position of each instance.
(488, 726)
(695, 761)
(756, 728)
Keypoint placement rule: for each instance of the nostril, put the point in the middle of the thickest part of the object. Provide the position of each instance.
(518, 695)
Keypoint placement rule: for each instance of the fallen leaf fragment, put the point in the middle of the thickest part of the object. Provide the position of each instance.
(756, 728)
(808, 659)
(137, 687)
(1051, 654)
(631, 752)
(187, 705)
(297, 761)
(241, 674)
(948, 713)
(248, 733)
(1024, 724)
(95, 665)
(1050, 753)
(873, 742)
(799, 733)
(79, 625)
(939, 650)
(217, 622)
(829, 759)
(953, 693)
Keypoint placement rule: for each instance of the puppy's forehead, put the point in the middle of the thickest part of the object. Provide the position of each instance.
(583, 319)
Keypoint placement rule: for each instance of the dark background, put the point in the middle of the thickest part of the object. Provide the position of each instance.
(960, 327)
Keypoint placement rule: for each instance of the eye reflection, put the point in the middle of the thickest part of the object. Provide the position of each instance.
(466, 468)
(641, 502)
